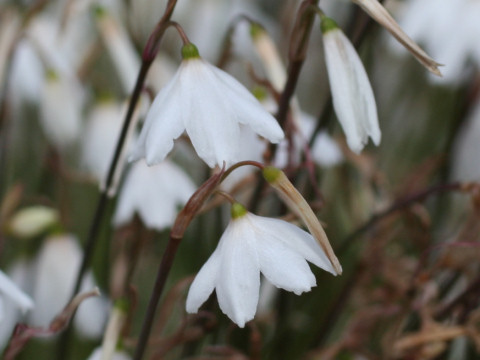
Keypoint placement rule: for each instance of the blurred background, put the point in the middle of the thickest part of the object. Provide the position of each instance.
(402, 217)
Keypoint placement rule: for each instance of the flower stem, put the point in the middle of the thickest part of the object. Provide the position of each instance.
(176, 234)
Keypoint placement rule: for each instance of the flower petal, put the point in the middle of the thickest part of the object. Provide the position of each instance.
(204, 283)
(294, 238)
(352, 94)
(211, 124)
(162, 125)
(283, 267)
(239, 281)
(248, 110)
(10, 289)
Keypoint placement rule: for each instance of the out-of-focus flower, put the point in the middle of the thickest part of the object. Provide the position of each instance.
(325, 151)
(56, 269)
(60, 110)
(435, 24)
(352, 93)
(118, 355)
(376, 10)
(13, 301)
(100, 137)
(252, 244)
(120, 48)
(32, 221)
(9, 289)
(467, 149)
(210, 105)
(154, 193)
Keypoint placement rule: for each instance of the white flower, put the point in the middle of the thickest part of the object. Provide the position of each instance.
(352, 94)
(435, 23)
(467, 148)
(57, 266)
(154, 193)
(100, 137)
(252, 244)
(118, 355)
(14, 304)
(210, 105)
(11, 291)
(60, 109)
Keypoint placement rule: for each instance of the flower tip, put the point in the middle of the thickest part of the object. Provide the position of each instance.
(337, 267)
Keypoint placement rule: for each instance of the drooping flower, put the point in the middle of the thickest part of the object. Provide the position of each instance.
(154, 193)
(210, 105)
(352, 94)
(252, 245)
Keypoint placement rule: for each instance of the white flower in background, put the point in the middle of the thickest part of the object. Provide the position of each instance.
(466, 149)
(120, 48)
(10, 290)
(56, 268)
(12, 299)
(118, 355)
(100, 137)
(252, 244)
(27, 74)
(12, 309)
(60, 110)
(453, 42)
(154, 193)
(210, 105)
(32, 221)
(352, 94)
(325, 151)
(92, 313)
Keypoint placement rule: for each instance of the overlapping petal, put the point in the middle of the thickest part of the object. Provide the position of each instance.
(352, 93)
(210, 105)
(252, 244)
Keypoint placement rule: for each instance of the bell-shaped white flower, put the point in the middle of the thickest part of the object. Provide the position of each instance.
(252, 244)
(209, 105)
(155, 193)
(352, 93)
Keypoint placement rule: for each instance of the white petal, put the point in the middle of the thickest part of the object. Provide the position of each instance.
(211, 124)
(239, 280)
(155, 193)
(162, 125)
(352, 94)
(283, 267)
(118, 355)
(293, 237)
(11, 290)
(250, 111)
(58, 262)
(204, 283)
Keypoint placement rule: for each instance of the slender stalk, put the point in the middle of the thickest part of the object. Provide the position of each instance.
(162, 275)
(178, 229)
(149, 54)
